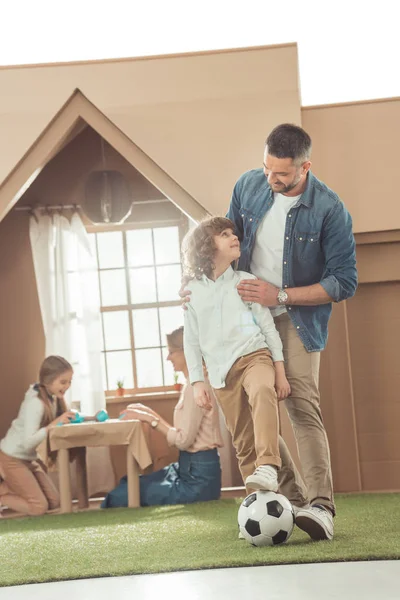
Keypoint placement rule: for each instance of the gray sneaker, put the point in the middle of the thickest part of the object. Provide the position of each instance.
(316, 521)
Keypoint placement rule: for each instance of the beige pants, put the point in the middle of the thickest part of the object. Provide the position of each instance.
(303, 406)
(26, 488)
(250, 407)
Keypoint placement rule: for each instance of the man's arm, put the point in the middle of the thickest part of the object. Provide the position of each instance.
(339, 281)
(234, 213)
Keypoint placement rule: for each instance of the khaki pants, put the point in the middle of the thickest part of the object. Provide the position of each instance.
(303, 406)
(250, 407)
(26, 488)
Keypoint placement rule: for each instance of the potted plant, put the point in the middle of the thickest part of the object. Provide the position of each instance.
(177, 386)
(120, 387)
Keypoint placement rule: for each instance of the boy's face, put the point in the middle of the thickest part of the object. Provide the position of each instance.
(227, 246)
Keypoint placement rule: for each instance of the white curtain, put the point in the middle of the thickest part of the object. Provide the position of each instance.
(66, 276)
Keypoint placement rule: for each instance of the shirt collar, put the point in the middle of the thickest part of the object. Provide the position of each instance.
(228, 275)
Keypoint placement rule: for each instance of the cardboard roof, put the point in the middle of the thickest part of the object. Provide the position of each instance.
(189, 123)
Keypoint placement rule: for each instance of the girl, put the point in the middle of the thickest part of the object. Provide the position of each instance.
(196, 476)
(26, 488)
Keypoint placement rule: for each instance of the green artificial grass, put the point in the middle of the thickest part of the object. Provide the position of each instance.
(172, 538)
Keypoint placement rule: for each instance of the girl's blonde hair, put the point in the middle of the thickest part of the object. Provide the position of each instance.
(198, 248)
(51, 368)
(175, 338)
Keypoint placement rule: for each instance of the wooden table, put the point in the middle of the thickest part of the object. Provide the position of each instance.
(109, 433)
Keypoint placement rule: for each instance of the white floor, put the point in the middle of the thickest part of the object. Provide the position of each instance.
(334, 581)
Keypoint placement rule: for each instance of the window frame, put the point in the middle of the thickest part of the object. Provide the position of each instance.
(183, 226)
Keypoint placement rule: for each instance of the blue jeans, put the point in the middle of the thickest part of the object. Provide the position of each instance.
(196, 477)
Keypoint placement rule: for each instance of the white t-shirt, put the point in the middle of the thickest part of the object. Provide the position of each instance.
(267, 257)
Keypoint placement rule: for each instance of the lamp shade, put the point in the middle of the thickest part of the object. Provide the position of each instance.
(107, 198)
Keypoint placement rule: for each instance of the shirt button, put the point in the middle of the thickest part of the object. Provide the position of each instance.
(301, 239)
(289, 308)
(287, 237)
(311, 239)
(298, 327)
(284, 262)
(250, 220)
(285, 286)
(242, 215)
(289, 215)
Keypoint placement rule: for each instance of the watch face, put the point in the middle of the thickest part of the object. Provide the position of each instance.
(282, 297)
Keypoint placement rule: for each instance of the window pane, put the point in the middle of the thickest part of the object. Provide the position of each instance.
(148, 367)
(92, 242)
(166, 245)
(103, 371)
(168, 282)
(145, 328)
(171, 317)
(119, 365)
(113, 287)
(116, 330)
(140, 248)
(110, 248)
(169, 370)
(143, 285)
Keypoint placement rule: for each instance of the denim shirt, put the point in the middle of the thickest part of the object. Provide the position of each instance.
(319, 246)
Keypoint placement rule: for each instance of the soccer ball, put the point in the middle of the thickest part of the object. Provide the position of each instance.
(266, 518)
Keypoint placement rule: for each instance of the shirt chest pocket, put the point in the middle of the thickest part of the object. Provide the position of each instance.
(307, 245)
(249, 222)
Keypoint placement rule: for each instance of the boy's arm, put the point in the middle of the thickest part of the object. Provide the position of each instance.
(264, 319)
(194, 358)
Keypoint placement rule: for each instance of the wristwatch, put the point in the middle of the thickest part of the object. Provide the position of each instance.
(154, 423)
(282, 297)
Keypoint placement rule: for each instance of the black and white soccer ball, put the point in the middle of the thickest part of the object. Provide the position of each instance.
(266, 518)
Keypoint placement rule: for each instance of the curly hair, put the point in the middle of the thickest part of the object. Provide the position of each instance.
(198, 248)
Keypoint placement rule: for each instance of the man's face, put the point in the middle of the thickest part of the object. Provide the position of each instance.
(283, 174)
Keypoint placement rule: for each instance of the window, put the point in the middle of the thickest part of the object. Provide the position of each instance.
(139, 278)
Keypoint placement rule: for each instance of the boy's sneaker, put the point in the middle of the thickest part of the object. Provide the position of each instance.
(265, 478)
(315, 520)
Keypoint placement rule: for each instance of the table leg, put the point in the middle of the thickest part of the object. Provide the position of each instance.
(64, 480)
(81, 478)
(133, 480)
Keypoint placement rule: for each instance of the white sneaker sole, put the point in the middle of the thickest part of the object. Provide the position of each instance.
(258, 485)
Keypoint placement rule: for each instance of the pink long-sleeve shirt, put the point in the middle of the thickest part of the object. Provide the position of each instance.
(195, 428)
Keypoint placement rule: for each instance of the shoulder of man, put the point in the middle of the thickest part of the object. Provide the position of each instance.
(331, 198)
(251, 180)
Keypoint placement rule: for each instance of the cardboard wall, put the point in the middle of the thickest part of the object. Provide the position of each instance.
(355, 152)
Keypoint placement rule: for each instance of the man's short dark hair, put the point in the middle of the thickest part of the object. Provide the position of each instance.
(289, 141)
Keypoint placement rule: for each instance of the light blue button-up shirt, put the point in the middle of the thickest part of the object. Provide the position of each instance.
(220, 327)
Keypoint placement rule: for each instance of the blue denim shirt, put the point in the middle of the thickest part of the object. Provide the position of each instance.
(319, 246)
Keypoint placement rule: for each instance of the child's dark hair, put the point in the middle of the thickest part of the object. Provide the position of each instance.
(51, 368)
(198, 248)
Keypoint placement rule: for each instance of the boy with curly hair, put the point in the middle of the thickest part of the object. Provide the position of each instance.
(240, 346)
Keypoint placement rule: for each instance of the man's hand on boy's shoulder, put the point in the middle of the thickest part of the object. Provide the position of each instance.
(185, 293)
(256, 290)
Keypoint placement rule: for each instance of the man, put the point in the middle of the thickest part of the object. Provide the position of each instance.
(296, 237)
